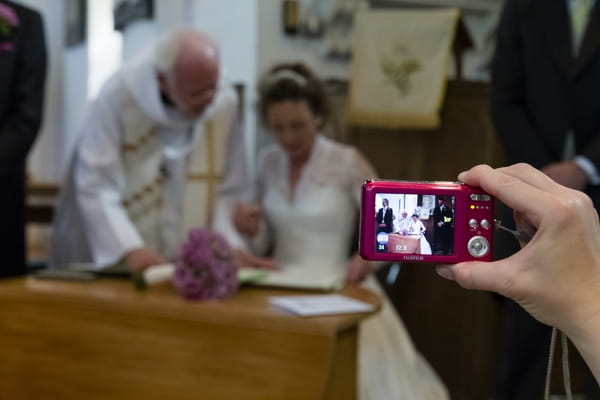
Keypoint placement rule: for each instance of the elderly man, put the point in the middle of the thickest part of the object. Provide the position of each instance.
(401, 225)
(160, 133)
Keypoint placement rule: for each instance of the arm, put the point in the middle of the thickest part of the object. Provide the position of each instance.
(358, 268)
(249, 222)
(583, 170)
(389, 220)
(100, 181)
(508, 97)
(592, 155)
(236, 185)
(240, 222)
(567, 173)
(556, 276)
(20, 125)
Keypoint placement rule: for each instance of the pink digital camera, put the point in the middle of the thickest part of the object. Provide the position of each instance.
(437, 222)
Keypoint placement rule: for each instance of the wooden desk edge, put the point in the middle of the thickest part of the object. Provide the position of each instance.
(249, 307)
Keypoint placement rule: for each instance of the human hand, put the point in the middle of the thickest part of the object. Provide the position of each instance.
(358, 269)
(556, 276)
(567, 173)
(247, 260)
(247, 218)
(142, 258)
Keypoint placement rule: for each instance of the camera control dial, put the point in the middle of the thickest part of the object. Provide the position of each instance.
(478, 246)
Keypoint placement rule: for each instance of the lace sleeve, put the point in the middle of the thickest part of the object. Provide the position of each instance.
(341, 165)
(360, 169)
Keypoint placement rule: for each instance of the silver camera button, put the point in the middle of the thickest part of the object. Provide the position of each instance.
(478, 246)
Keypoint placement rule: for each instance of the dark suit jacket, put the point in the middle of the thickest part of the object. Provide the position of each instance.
(22, 76)
(444, 216)
(540, 90)
(387, 219)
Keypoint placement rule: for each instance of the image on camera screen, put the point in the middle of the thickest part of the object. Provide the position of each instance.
(414, 223)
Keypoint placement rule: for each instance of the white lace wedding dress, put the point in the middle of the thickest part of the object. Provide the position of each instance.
(311, 230)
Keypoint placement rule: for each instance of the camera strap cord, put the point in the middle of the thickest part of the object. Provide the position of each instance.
(525, 238)
(565, 365)
(519, 235)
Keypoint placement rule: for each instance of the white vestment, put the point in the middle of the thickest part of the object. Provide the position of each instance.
(402, 224)
(311, 228)
(143, 174)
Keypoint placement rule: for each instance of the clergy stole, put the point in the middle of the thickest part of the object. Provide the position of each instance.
(145, 176)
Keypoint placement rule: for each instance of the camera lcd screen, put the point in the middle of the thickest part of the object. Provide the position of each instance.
(414, 223)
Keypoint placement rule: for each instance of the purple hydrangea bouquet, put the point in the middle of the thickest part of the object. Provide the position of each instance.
(206, 268)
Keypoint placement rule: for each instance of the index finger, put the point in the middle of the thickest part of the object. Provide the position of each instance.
(513, 191)
(535, 177)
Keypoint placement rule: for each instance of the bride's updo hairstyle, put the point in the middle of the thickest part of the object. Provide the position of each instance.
(292, 82)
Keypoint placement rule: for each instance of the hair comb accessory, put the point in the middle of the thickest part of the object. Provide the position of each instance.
(287, 74)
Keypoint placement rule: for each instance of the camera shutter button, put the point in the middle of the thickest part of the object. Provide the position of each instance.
(478, 246)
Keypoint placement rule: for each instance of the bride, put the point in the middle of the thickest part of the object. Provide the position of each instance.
(307, 197)
(416, 227)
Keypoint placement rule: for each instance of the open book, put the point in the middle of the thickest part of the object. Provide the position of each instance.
(292, 278)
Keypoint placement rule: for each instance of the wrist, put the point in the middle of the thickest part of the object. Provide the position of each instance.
(582, 317)
(586, 338)
(583, 326)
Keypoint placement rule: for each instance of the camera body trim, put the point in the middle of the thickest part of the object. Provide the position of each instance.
(464, 235)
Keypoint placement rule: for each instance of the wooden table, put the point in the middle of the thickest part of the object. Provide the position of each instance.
(104, 340)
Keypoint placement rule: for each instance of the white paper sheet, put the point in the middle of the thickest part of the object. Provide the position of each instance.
(320, 304)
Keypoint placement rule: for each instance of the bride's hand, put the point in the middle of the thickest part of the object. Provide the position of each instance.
(246, 218)
(247, 260)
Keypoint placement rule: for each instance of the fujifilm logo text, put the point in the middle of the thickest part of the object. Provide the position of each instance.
(413, 258)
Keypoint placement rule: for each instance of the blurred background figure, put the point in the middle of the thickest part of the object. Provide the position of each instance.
(545, 75)
(555, 277)
(401, 224)
(125, 195)
(385, 217)
(308, 192)
(416, 227)
(443, 218)
(22, 79)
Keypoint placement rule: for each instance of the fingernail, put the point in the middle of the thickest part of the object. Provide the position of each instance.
(461, 175)
(445, 272)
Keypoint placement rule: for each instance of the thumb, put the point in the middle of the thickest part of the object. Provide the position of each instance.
(474, 275)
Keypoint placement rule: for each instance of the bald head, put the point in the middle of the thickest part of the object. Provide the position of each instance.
(188, 70)
(189, 44)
